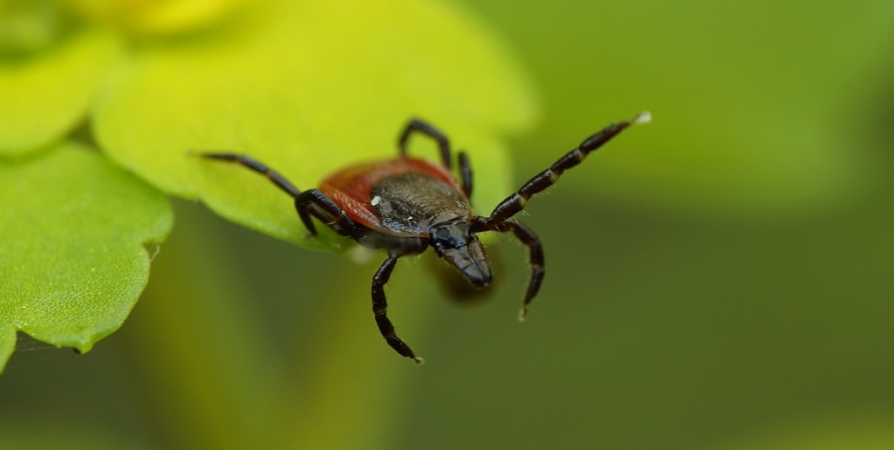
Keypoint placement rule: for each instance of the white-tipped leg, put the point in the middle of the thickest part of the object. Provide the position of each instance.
(643, 117)
(419, 361)
(522, 314)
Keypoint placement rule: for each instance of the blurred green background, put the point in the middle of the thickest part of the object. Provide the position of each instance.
(721, 278)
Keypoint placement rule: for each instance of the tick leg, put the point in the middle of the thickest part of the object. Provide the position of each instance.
(516, 202)
(465, 170)
(380, 309)
(535, 249)
(258, 167)
(315, 203)
(419, 126)
(309, 203)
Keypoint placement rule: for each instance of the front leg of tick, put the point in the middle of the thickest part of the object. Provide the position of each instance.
(380, 309)
(516, 202)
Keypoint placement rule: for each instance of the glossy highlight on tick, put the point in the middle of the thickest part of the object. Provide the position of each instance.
(405, 205)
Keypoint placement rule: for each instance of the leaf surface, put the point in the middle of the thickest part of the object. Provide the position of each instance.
(47, 94)
(72, 261)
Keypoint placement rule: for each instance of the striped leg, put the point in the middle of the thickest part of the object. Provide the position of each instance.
(535, 250)
(380, 309)
(516, 202)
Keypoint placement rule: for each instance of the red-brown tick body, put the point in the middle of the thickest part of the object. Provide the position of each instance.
(411, 198)
(406, 205)
(371, 193)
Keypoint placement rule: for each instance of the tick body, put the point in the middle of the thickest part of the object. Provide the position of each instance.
(406, 205)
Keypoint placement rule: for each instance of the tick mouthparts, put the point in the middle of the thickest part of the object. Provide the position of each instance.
(472, 262)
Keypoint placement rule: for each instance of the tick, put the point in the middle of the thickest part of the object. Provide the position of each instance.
(405, 205)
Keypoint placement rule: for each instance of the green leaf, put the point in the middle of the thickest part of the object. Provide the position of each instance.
(47, 94)
(307, 88)
(144, 18)
(72, 263)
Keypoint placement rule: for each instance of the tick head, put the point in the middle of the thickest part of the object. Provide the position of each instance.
(457, 245)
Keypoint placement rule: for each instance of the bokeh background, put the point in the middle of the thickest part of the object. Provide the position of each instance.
(719, 279)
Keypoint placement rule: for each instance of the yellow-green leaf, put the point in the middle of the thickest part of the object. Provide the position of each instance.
(306, 88)
(72, 262)
(47, 93)
(155, 17)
